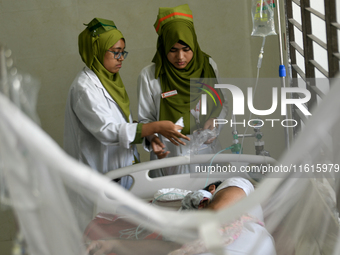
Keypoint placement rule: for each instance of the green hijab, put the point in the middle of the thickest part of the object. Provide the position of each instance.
(188, 95)
(99, 36)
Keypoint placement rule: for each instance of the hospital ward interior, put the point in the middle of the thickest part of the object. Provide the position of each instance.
(251, 167)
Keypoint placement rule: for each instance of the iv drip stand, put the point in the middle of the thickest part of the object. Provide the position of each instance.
(3, 72)
(282, 69)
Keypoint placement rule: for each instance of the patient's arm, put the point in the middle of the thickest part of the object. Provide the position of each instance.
(128, 247)
(226, 197)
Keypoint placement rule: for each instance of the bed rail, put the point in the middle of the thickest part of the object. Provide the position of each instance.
(144, 186)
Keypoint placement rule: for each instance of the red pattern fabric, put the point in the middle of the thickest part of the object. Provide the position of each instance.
(108, 226)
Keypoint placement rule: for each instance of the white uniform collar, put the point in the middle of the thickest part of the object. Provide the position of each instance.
(97, 82)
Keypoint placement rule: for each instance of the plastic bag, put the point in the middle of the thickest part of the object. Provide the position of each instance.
(262, 12)
(200, 137)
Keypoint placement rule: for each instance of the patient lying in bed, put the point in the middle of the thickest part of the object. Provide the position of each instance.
(248, 233)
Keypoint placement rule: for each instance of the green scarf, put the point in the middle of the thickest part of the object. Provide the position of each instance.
(92, 48)
(174, 107)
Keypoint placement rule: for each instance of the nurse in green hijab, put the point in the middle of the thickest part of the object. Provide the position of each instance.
(171, 87)
(99, 130)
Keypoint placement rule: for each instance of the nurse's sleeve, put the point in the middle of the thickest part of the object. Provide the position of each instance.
(97, 117)
(147, 107)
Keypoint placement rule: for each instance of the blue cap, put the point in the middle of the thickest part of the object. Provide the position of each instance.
(282, 71)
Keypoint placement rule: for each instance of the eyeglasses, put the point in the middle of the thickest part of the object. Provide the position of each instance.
(119, 54)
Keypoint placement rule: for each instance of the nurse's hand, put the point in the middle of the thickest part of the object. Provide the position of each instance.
(158, 148)
(169, 130)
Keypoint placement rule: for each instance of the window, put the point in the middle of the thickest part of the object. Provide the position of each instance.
(313, 36)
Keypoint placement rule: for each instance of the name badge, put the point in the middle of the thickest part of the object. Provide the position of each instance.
(169, 93)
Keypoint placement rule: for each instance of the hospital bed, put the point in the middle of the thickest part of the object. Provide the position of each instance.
(107, 224)
(145, 187)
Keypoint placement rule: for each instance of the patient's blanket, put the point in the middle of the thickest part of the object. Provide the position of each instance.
(229, 232)
(110, 226)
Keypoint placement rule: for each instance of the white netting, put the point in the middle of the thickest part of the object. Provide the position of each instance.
(299, 209)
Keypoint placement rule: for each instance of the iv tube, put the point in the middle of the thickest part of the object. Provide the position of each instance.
(259, 63)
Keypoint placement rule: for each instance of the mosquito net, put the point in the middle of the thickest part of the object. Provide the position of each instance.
(294, 213)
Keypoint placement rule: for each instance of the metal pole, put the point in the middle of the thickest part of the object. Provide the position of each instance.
(3, 73)
(282, 69)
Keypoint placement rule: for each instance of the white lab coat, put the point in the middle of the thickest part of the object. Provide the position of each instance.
(96, 133)
(149, 98)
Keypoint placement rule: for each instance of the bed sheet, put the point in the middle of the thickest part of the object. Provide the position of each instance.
(110, 226)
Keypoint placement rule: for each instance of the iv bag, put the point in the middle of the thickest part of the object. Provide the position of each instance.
(262, 12)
